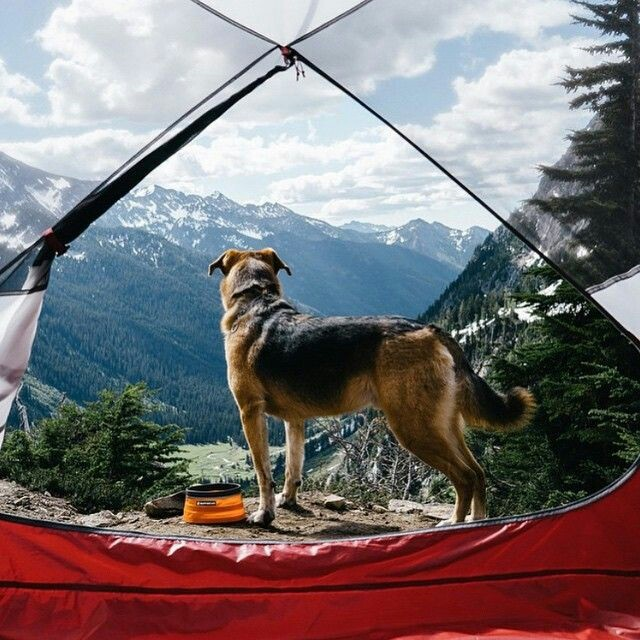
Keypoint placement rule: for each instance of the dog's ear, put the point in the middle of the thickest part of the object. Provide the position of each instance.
(274, 259)
(224, 262)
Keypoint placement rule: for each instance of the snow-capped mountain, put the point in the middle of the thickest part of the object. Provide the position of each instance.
(31, 200)
(452, 246)
(365, 227)
(213, 223)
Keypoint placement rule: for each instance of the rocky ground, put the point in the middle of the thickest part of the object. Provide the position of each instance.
(315, 521)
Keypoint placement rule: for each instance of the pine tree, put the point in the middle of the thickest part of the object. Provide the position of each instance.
(102, 456)
(604, 179)
(586, 379)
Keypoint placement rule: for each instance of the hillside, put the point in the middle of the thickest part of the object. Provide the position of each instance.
(478, 307)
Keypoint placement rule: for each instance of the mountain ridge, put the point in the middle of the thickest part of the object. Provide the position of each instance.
(31, 200)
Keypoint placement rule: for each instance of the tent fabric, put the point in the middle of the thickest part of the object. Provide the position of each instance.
(23, 282)
(615, 294)
(567, 573)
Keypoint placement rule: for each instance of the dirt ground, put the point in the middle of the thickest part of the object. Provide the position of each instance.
(313, 522)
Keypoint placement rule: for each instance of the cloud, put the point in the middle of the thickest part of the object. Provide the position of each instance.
(512, 118)
(147, 61)
(15, 90)
(389, 39)
(502, 125)
(92, 155)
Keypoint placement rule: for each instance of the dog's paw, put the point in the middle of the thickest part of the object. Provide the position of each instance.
(261, 517)
(447, 522)
(286, 503)
(452, 520)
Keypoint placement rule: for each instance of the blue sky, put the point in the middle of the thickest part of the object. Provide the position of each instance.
(84, 83)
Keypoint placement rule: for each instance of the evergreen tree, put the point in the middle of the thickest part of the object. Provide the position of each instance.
(586, 379)
(102, 456)
(605, 176)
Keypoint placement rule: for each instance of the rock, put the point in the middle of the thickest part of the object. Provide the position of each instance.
(166, 506)
(100, 519)
(22, 501)
(433, 510)
(334, 502)
(438, 511)
(405, 506)
(378, 508)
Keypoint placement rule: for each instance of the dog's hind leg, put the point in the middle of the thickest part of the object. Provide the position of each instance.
(295, 460)
(255, 431)
(479, 501)
(440, 451)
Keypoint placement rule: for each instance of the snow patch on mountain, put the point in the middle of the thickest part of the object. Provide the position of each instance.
(454, 246)
(31, 200)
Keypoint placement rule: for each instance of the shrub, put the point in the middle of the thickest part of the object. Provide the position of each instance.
(101, 456)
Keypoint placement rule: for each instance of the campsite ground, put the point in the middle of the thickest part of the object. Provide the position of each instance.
(316, 522)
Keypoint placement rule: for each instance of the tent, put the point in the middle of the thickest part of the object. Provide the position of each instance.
(571, 572)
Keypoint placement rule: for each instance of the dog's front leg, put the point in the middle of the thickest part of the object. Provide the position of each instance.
(255, 431)
(295, 460)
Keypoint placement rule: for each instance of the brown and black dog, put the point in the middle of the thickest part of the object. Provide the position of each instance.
(296, 366)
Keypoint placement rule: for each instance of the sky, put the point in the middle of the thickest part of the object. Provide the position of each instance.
(85, 83)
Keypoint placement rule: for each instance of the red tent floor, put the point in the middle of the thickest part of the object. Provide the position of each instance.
(570, 573)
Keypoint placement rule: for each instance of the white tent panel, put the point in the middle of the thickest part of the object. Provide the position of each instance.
(18, 323)
(622, 300)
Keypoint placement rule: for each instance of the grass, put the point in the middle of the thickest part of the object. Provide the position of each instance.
(220, 461)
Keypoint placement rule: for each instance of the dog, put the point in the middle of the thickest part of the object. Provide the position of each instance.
(296, 366)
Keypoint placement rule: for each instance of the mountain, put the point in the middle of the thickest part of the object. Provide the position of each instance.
(128, 306)
(365, 227)
(478, 307)
(451, 246)
(31, 200)
(131, 300)
(434, 239)
(214, 223)
(335, 271)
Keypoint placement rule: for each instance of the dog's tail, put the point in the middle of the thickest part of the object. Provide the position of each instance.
(479, 404)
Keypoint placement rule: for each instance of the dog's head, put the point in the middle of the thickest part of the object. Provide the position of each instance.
(248, 273)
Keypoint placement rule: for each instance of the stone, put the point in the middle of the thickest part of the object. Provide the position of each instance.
(405, 506)
(334, 502)
(378, 508)
(438, 511)
(166, 506)
(100, 519)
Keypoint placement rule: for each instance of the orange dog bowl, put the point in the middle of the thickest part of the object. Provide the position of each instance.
(217, 503)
